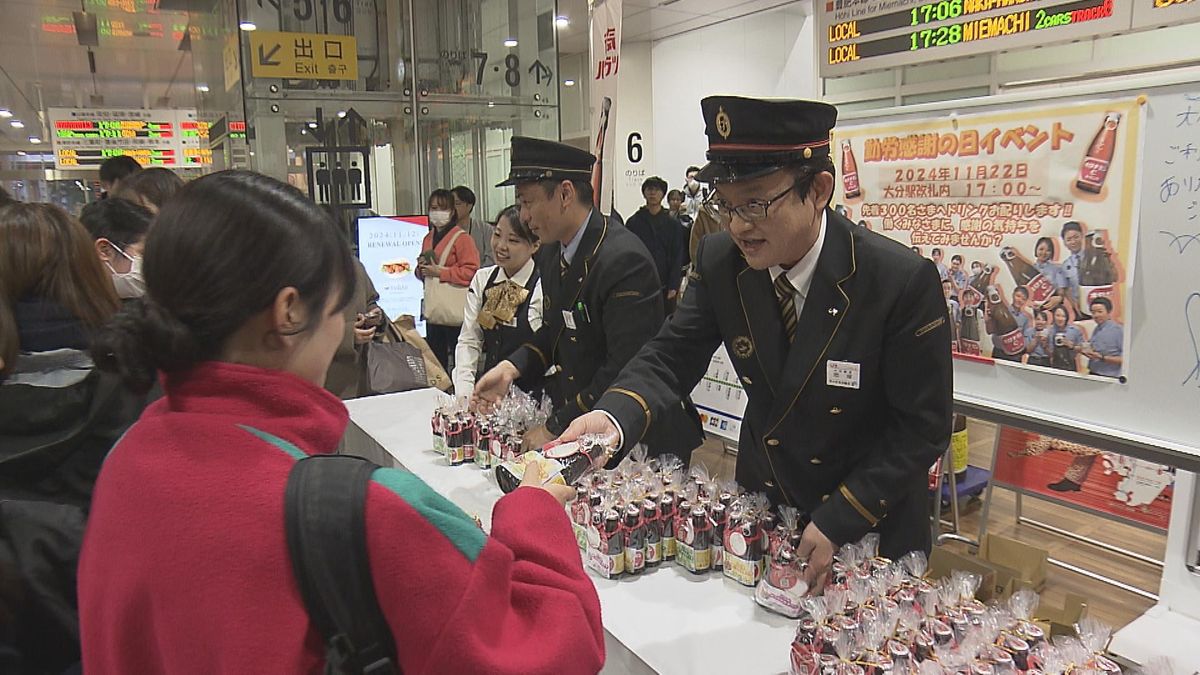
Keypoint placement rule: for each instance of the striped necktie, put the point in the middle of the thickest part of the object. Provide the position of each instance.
(785, 293)
(562, 266)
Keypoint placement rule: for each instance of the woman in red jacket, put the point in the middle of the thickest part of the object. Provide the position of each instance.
(447, 239)
(185, 565)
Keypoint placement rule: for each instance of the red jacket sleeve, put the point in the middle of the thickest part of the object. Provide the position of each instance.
(462, 263)
(460, 601)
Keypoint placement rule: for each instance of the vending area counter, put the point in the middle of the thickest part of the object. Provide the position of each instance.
(664, 620)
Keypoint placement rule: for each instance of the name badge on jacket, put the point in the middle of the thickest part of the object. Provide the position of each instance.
(843, 374)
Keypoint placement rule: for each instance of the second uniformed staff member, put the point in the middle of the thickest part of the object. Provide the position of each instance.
(602, 299)
(839, 335)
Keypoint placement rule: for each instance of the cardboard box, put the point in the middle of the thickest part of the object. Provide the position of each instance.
(1061, 620)
(943, 561)
(1018, 564)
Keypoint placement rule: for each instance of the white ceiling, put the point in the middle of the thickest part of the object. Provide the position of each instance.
(649, 20)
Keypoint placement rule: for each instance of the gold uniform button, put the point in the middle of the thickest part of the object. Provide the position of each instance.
(835, 410)
(571, 378)
(825, 498)
(574, 339)
(773, 442)
(769, 484)
(815, 460)
(746, 380)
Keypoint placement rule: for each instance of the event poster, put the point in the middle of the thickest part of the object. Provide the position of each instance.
(1105, 482)
(605, 62)
(389, 249)
(1029, 215)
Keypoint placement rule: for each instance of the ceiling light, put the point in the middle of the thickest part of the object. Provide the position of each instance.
(569, 83)
(510, 42)
(491, 104)
(247, 25)
(17, 124)
(21, 153)
(341, 113)
(304, 131)
(312, 125)
(35, 140)
(202, 88)
(562, 21)
(5, 113)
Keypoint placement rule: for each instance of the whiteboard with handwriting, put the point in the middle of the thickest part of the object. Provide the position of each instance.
(1160, 404)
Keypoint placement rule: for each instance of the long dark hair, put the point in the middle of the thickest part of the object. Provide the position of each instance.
(219, 253)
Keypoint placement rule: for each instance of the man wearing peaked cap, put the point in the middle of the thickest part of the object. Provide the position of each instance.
(839, 336)
(602, 299)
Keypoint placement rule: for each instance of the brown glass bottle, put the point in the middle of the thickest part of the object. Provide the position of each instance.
(850, 172)
(1099, 156)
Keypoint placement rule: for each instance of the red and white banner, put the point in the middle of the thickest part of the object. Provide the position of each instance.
(605, 20)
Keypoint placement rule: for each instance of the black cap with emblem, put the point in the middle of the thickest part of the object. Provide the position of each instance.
(749, 137)
(535, 159)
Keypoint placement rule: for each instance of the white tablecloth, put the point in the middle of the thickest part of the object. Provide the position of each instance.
(666, 620)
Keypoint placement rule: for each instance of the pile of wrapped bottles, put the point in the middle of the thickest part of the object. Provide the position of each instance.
(463, 436)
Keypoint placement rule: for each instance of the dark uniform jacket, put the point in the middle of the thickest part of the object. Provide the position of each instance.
(612, 294)
(854, 459)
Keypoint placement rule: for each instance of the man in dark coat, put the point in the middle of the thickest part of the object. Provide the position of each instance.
(663, 236)
(602, 299)
(839, 336)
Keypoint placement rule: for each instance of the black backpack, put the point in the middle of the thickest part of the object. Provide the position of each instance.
(327, 540)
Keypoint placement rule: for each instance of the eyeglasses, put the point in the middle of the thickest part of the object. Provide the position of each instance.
(751, 211)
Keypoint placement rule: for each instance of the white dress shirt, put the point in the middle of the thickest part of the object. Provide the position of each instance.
(800, 276)
(468, 352)
(568, 251)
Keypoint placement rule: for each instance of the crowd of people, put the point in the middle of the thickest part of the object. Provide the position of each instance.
(170, 357)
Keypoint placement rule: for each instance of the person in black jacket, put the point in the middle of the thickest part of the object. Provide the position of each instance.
(59, 417)
(602, 298)
(663, 236)
(839, 336)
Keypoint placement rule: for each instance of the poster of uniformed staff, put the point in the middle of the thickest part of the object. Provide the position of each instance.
(1029, 215)
(605, 25)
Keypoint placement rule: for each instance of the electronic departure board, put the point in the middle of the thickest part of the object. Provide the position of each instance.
(862, 35)
(84, 138)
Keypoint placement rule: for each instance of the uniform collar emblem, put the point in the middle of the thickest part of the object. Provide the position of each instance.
(743, 347)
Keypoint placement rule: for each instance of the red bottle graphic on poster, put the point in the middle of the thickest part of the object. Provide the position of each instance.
(1097, 275)
(1025, 274)
(850, 172)
(1099, 155)
(1004, 324)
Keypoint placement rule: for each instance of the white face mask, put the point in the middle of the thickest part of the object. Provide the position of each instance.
(439, 218)
(130, 284)
(693, 184)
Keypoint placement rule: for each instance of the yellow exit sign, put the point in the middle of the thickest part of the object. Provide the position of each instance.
(303, 56)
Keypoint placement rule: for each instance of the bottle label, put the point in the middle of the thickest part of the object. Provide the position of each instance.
(781, 601)
(606, 565)
(1093, 172)
(850, 180)
(1091, 293)
(970, 347)
(685, 555)
(745, 572)
(670, 548)
(654, 552)
(718, 556)
(1040, 289)
(635, 558)
(454, 455)
(1013, 342)
(581, 535)
(468, 452)
(483, 457)
(439, 443)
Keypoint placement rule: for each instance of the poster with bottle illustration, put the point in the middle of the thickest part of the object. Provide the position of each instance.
(1115, 485)
(390, 250)
(1029, 215)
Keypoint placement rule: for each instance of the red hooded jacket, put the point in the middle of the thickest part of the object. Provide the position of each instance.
(185, 565)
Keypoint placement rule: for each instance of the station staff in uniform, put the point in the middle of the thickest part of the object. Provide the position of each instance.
(839, 335)
(602, 299)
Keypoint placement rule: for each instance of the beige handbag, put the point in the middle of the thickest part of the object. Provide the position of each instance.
(444, 302)
(434, 373)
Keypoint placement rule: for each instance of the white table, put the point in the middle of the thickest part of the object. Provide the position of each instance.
(665, 621)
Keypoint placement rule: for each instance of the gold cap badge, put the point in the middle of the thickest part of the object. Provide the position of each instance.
(724, 126)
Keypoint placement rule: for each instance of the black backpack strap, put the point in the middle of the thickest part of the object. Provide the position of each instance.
(325, 520)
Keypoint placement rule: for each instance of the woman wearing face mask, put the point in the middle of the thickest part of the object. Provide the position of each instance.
(504, 304)
(449, 255)
(694, 193)
(186, 548)
(119, 228)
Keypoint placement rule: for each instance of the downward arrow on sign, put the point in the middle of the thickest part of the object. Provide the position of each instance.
(264, 59)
